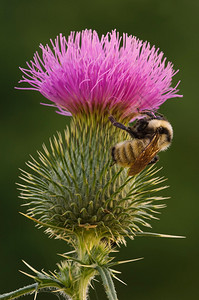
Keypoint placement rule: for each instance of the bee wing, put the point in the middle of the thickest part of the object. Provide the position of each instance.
(145, 157)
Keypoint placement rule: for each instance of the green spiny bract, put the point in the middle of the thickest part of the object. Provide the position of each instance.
(74, 189)
(73, 272)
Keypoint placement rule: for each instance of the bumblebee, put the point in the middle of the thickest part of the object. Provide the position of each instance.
(150, 135)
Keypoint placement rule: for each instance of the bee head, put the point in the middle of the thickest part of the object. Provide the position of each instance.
(147, 126)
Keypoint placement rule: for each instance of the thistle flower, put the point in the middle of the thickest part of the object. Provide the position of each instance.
(108, 75)
(71, 190)
(74, 189)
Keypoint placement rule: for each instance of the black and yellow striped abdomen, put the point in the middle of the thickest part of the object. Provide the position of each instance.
(125, 153)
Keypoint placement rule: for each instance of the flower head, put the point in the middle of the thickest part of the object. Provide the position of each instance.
(112, 74)
(73, 190)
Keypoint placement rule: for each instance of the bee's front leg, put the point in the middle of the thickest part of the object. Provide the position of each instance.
(149, 113)
(130, 130)
(117, 124)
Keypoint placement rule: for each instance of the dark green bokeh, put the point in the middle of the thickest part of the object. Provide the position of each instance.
(170, 267)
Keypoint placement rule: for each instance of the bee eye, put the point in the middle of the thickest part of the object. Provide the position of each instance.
(161, 130)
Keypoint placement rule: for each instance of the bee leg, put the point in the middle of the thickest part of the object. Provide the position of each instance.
(112, 163)
(154, 160)
(117, 124)
(153, 114)
(149, 113)
(160, 115)
(123, 127)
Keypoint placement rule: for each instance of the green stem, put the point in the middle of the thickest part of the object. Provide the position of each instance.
(108, 283)
(83, 288)
(85, 243)
(20, 292)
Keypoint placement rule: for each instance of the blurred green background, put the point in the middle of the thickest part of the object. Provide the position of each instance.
(170, 266)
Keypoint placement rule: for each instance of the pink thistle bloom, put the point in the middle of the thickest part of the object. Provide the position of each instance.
(114, 74)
